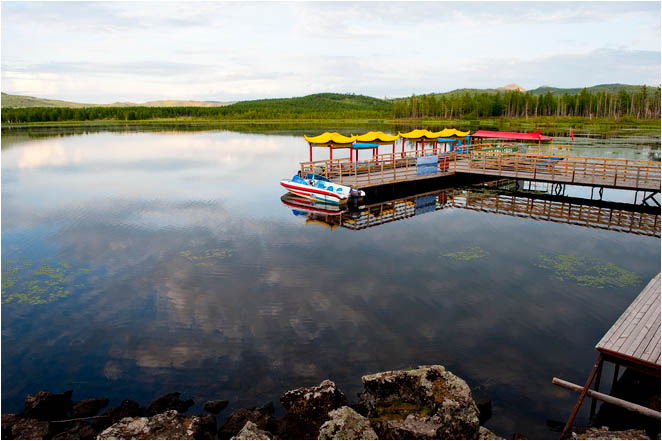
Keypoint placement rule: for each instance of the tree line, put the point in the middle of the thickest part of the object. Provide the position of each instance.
(644, 104)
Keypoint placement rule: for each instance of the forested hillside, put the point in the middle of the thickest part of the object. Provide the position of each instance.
(642, 102)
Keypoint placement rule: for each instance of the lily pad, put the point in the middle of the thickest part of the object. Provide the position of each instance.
(48, 282)
(468, 254)
(206, 257)
(587, 271)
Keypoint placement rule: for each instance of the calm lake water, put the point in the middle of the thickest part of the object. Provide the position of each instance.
(139, 263)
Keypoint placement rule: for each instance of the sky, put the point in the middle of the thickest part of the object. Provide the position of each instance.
(103, 52)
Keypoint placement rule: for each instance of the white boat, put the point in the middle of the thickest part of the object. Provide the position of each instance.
(319, 188)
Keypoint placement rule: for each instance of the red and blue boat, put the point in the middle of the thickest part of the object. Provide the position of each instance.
(319, 188)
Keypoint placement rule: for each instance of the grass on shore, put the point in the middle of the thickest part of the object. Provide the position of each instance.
(523, 124)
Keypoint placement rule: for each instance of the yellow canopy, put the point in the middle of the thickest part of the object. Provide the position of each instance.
(422, 133)
(375, 137)
(330, 138)
(451, 132)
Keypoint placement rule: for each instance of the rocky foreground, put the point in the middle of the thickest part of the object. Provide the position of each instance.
(425, 403)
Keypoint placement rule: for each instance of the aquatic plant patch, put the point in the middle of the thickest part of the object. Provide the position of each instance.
(587, 271)
(206, 257)
(468, 254)
(39, 284)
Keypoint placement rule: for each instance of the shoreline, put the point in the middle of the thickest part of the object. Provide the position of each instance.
(533, 122)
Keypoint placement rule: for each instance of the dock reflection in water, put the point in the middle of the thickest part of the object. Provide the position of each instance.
(536, 205)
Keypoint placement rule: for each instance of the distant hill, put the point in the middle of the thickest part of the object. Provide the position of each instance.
(30, 101)
(513, 87)
(9, 100)
(609, 88)
(542, 90)
(324, 102)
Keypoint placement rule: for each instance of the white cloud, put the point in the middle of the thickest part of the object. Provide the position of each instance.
(105, 52)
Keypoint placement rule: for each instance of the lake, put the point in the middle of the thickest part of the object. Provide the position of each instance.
(140, 262)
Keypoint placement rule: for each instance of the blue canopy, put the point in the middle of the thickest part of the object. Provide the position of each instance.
(446, 140)
(361, 145)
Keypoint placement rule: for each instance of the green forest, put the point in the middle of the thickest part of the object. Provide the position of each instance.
(641, 104)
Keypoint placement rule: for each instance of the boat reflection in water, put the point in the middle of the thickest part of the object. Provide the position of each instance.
(505, 198)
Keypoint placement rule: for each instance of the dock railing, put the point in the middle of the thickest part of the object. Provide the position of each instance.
(388, 167)
(490, 159)
(623, 173)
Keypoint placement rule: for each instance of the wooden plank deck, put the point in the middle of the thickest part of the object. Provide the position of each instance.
(635, 336)
(389, 168)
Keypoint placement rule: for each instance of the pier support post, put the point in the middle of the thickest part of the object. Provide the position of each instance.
(575, 410)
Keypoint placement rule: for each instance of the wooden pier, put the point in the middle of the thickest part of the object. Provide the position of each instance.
(633, 341)
(491, 160)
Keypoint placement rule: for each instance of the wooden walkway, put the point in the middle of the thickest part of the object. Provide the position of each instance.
(392, 168)
(634, 342)
(636, 334)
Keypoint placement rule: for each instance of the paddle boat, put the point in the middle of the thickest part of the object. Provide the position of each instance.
(319, 188)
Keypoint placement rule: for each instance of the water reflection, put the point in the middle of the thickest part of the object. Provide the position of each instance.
(199, 279)
(535, 205)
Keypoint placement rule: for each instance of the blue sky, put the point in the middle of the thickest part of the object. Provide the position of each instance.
(104, 52)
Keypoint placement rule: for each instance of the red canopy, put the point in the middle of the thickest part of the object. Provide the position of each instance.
(527, 136)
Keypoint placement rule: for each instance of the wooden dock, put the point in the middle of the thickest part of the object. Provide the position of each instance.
(483, 159)
(632, 341)
(635, 336)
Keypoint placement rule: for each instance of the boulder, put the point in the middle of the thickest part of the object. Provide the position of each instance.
(88, 408)
(8, 420)
(251, 431)
(169, 402)
(307, 409)
(30, 428)
(216, 407)
(166, 425)
(605, 433)
(203, 426)
(238, 419)
(484, 433)
(425, 403)
(45, 406)
(346, 423)
(127, 409)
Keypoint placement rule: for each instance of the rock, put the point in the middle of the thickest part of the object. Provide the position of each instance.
(89, 407)
(251, 431)
(8, 420)
(166, 425)
(307, 409)
(203, 426)
(127, 409)
(238, 419)
(77, 430)
(484, 433)
(30, 428)
(267, 409)
(484, 409)
(169, 402)
(425, 403)
(605, 433)
(346, 423)
(45, 406)
(216, 407)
